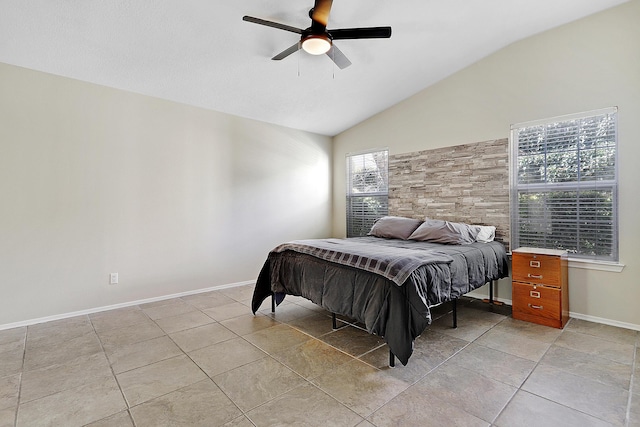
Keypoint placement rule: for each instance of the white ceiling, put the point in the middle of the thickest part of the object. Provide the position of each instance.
(200, 52)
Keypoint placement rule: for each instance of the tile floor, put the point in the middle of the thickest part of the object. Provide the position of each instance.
(205, 360)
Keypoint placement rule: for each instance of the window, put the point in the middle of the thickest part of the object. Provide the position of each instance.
(564, 184)
(367, 190)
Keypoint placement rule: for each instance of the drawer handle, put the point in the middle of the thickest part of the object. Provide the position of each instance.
(534, 294)
(534, 264)
(534, 276)
(537, 307)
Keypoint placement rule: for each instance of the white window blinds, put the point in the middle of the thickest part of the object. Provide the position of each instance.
(564, 184)
(367, 190)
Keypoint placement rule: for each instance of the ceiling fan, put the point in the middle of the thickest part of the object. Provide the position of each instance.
(317, 39)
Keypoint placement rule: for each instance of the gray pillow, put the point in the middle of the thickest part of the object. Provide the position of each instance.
(394, 227)
(439, 231)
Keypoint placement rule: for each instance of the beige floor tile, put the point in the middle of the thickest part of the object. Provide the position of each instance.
(202, 336)
(46, 334)
(495, 364)
(11, 362)
(288, 312)
(312, 358)
(242, 294)
(208, 300)
(602, 401)
(276, 338)
(8, 417)
(301, 301)
(634, 411)
(248, 324)
(113, 339)
(142, 353)
(160, 303)
(360, 387)
(200, 404)
(584, 377)
(51, 326)
(528, 330)
(416, 369)
(255, 383)
(621, 353)
(353, 341)
(514, 344)
(9, 390)
(467, 330)
(116, 319)
(12, 339)
(472, 392)
(430, 350)
(54, 354)
(305, 405)
(635, 385)
(218, 358)
(151, 381)
(174, 308)
(72, 373)
(121, 419)
(589, 366)
(528, 410)
(414, 408)
(184, 321)
(606, 332)
(316, 325)
(239, 422)
(227, 311)
(78, 406)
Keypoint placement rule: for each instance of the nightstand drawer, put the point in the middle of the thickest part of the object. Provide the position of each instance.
(535, 268)
(539, 301)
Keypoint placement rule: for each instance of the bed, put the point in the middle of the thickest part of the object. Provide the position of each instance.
(386, 281)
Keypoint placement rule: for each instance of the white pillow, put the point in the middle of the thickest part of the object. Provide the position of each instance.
(486, 233)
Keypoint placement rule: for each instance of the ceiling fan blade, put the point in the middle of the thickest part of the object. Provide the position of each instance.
(321, 11)
(338, 57)
(288, 51)
(361, 33)
(272, 24)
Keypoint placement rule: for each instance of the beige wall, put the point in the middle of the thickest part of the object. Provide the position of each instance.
(589, 64)
(95, 180)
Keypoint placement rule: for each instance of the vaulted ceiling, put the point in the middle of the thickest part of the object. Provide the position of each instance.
(201, 52)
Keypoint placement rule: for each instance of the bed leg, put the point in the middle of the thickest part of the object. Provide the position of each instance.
(491, 292)
(334, 322)
(273, 302)
(392, 359)
(454, 304)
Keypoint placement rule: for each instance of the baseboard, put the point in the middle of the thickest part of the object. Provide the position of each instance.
(609, 322)
(573, 315)
(121, 305)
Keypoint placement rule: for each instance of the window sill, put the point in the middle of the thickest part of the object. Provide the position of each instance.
(614, 267)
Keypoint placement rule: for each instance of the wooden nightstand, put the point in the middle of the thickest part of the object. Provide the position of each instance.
(540, 288)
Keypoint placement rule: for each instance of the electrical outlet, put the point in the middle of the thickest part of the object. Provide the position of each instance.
(113, 278)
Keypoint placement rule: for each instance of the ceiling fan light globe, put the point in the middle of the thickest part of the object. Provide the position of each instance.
(316, 44)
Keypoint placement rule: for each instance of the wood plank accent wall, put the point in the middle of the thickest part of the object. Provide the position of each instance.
(464, 183)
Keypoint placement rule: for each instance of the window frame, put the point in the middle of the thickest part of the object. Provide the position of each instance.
(382, 196)
(516, 188)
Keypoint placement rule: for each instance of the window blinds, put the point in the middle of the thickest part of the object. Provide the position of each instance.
(367, 190)
(564, 185)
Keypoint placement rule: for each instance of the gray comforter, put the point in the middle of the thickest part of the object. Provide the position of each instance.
(398, 313)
